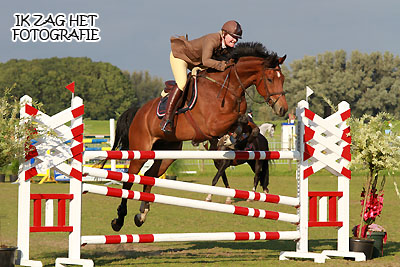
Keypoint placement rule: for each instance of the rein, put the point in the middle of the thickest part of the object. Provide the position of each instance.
(264, 78)
(238, 98)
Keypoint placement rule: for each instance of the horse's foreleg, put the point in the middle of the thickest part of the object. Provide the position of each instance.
(122, 210)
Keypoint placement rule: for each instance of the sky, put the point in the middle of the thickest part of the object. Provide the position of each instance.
(135, 34)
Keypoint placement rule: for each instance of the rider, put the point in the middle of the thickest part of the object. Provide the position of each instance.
(198, 52)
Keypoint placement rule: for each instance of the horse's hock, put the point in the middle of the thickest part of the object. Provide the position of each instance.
(321, 144)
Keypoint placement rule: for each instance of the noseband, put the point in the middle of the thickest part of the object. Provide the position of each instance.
(269, 99)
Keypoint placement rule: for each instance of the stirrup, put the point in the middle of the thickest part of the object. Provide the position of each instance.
(232, 139)
(165, 125)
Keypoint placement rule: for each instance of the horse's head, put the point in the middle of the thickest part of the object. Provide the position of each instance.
(263, 68)
(270, 86)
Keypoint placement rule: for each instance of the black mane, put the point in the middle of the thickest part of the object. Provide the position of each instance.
(248, 49)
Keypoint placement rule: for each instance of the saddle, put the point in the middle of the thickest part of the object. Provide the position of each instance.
(189, 97)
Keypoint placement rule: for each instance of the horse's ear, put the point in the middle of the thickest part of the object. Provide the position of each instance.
(282, 59)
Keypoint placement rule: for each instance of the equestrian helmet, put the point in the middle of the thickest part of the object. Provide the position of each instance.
(233, 28)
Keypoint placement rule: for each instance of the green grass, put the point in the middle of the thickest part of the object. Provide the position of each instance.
(99, 127)
(99, 210)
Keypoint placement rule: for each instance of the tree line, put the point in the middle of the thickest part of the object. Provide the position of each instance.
(106, 90)
(369, 82)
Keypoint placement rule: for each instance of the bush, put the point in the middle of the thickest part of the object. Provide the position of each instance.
(15, 133)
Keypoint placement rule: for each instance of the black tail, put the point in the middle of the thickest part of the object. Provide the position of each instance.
(121, 141)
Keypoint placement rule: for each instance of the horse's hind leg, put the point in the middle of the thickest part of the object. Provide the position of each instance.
(140, 218)
(122, 210)
(157, 169)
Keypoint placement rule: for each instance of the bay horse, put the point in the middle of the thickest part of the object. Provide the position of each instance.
(221, 99)
(250, 140)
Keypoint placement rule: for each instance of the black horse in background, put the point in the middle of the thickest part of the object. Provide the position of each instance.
(248, 139)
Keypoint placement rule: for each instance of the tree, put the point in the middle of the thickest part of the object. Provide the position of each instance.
(145, 86)
(105, 89)
(369, 82)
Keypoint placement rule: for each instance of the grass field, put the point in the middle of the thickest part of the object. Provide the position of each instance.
(99, 210)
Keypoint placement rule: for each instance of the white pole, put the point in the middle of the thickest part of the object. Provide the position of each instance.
(112, 140)
(24, 192)
(344, 201)
(75, 206)
(302, 244)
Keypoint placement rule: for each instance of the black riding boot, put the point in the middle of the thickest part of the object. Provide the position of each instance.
(167, 122)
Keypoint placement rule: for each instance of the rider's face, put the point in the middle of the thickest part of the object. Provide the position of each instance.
(230, 40)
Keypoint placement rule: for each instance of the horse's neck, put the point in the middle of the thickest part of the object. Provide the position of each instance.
(222, 88)
(236, 78)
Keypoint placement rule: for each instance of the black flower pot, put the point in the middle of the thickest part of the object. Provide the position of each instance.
(378, 243)
(362, 245)
(7, 256)
(13, 178)
(171, 177)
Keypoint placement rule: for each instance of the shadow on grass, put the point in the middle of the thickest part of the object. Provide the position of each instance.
(206, 252)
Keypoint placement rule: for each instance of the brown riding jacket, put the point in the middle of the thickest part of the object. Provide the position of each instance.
(198, 52)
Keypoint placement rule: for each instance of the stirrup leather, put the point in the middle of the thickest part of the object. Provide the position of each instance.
(165, 125)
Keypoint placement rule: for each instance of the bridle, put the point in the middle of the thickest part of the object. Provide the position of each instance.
(268, 99)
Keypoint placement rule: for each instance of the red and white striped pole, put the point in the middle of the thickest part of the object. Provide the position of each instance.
(164, 154)
(190, 203)
(176, 237)
(198, 188)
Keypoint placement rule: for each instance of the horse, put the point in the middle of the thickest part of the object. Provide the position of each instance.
(267, 128)
(252, 140)
(220, 101)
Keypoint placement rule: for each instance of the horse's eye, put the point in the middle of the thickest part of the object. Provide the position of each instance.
(270, 80)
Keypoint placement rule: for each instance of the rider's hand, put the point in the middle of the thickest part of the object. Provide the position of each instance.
(229, 63)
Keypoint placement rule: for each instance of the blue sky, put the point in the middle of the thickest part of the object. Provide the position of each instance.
(135, 34)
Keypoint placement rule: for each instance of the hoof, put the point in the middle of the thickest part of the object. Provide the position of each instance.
(115, 226)
(137, 220)
(228, 201)
(208, 200)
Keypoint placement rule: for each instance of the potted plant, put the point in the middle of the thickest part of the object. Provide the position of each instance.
(7, 253)
(15, 143)
(375, 151)
(2, 174)
(13, 170)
